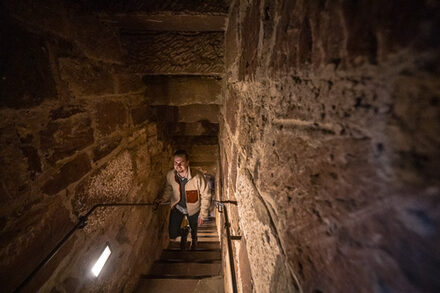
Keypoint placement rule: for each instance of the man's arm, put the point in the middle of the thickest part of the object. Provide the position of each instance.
(205, 200)
(166, 194)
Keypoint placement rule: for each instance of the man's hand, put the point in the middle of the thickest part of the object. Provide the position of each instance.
(156, 203)
(200, 222)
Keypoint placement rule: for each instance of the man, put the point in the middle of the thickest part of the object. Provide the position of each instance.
(189, 195)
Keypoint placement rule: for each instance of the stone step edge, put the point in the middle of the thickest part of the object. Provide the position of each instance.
(170, 276)
(197, 249)
(177, 260)
(200, 250)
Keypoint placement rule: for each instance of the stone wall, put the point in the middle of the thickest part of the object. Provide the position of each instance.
(75, 131)
(330, 144)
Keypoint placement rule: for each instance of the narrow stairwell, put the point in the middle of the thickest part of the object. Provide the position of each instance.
(187, 271)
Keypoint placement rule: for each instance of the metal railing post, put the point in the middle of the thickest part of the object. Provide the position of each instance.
(222, 209)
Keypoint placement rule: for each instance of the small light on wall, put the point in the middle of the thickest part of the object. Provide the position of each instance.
(97, 267)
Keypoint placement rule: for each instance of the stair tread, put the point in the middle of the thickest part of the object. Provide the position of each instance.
(210, 284)
(186, 268)
(200, 245)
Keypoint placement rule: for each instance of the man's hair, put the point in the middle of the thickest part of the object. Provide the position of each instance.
(181, 153)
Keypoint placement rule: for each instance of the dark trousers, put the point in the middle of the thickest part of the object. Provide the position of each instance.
(176, 218)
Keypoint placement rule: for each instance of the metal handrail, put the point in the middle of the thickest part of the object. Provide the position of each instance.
(82, 222)
(222, 209)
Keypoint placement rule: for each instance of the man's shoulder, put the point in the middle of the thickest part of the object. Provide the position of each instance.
(170, 174)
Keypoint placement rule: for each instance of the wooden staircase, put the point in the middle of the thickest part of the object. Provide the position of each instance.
(185, 271)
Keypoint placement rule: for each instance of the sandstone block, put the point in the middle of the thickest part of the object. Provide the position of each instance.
(203, 128)
(204, 153)
(25, 77)
(71, 22)
(250, 28)
(110, 183)
(33, 159)
(110, 115)
(33, 236)
(196, 113)
(129, 83)
(62, 138)
(66, 111)
(105, 147)
(231, 107)
(174, 52)
(191, 141)
(84, 78)
(209, 7)
(182, 90)
(68, 173)
(165, 113)
(141, 113)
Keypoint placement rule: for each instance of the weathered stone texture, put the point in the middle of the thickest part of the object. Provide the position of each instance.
(179, 52)
(182, 90)
(45, 225)
(84, 78)
(67, 112)
(193, 129)
(68, 21)
(141, 113)
(129, 83)
(25, 74)
(330, 144)
(62, 138)
(175, 7)
(196, 113)
(105, 147)
(110, 116)
(69, 173)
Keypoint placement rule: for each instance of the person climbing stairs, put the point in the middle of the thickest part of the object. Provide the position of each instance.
(184, 271)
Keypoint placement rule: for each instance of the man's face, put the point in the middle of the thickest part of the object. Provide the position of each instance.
(180, 164)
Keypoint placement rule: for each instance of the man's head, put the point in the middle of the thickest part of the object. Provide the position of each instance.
(181, 162)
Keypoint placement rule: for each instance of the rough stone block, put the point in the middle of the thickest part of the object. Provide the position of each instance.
(196, 7)
(68, 173)
(32, 237)
(182, 90)
(33, 159)
(62, 138)
(195, 140)
(16, 171)
(231, 107)
(141, 113)
(25, 75)
(151, 52)
(250, 27)
(110, 115)
(71, 22)
(231, 38)
(204, 153)
(84, 78)
(110, 183)
(196, 113)
(203, 128)
(129, 83)
(66, 111)
(165, 113)
(105, 147)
